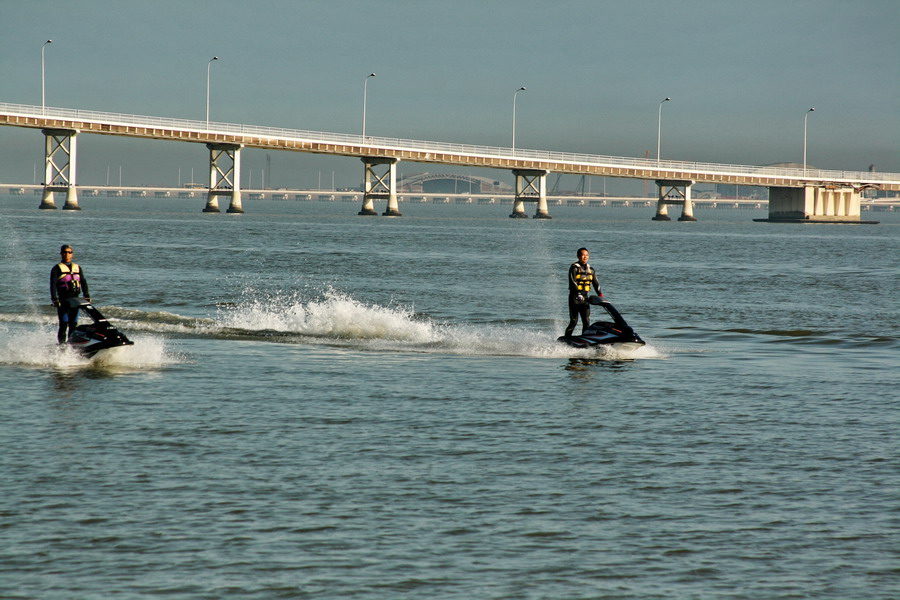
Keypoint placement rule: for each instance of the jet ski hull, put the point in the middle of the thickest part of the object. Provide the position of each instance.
(615, 334)
(579, 341)
(91, 338)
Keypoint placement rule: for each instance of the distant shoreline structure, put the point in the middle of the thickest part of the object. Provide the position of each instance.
(194, 190)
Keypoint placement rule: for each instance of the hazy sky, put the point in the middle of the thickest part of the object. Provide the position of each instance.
(741, 76)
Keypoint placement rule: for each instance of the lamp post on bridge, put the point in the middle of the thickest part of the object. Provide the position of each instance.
(365, 98)
(42, 75)
(521, 89)
(805, 117)
(659, 129)
(208, 69)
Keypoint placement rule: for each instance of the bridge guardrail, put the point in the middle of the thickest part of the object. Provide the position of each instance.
(446, 147)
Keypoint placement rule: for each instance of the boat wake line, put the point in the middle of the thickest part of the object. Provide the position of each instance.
(338, 319)
(333, 318)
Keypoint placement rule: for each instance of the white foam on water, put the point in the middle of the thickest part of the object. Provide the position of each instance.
(148, 352)
(340, 318)
(331, 317)
(38, 348)
(335, 315)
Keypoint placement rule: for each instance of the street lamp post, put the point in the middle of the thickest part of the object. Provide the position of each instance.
(208, 69)
(805, 117)
(43, 97)
(521, 89)
(659, 128)
(365, 99)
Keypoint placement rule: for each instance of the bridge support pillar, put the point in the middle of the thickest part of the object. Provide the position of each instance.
(674, 192)
(814, 204)
(59, 168)
(224, 177)
(662, 212)
(381, 186)
(531, 186)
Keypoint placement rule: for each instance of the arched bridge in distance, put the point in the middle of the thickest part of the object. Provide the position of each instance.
(808, 195)
(452, 183)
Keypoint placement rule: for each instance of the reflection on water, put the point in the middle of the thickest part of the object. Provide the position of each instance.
(584, 369)
(73, 378)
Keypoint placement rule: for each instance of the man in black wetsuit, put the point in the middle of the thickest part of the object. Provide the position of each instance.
(67, 282)
(581, 278)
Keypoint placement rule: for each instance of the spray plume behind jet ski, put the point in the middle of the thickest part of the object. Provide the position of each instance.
(616, 334)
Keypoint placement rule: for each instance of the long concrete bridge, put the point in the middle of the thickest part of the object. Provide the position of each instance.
(809, 195)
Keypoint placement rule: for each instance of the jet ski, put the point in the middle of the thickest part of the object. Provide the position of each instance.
(99, 335)
(616, 334)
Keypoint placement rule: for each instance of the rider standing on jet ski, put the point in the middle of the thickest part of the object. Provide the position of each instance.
(67, 281)
(581, 278)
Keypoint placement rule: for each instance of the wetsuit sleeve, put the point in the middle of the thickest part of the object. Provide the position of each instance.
(573, 285)
(54, 275)
(596, 283)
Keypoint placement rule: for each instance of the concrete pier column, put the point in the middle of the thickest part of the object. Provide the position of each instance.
(47, 202)
(542, 211)
(50, 147)
(224, 168)
(368, 206)
(687, 209)
(662, 211)
(531, 186)
(71, 199)
(815, 204)
(235, 205)
(59, 168)
(854, 197)
(518, 209)
(71, 193)
(676, 192)
(380, 186)
(212, 202)
(212, 196)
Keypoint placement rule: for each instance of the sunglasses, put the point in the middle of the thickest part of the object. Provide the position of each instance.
(66, 252)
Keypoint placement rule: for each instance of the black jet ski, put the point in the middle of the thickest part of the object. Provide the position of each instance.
(89, 339)
(616, 334)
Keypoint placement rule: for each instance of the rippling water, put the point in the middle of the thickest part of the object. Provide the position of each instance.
(331, 406)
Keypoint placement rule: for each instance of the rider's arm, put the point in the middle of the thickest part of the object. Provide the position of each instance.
(84, 285)
(54, 275)
(573, 285)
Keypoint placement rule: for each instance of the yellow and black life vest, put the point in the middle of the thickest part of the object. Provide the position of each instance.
(584, 277)
(69, 281)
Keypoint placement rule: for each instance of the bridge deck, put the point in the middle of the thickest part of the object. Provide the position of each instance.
(270, 138)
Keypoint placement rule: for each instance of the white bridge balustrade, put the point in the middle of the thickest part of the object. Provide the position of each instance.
(295, 140)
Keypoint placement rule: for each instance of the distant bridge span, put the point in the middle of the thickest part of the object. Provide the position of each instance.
(531, 167)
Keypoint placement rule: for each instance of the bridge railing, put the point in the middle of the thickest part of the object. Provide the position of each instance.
(444, 147)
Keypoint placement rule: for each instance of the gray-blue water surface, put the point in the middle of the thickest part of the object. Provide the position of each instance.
(322, 405)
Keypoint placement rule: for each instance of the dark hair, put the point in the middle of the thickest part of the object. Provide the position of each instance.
(580, 249)
(65, 247)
